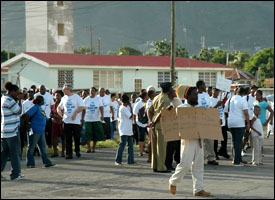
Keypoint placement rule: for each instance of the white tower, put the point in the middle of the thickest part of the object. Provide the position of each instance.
(49, 26)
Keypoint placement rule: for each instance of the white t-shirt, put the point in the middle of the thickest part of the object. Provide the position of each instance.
(250, 102)
(107, 102)
(48, 101)
(115, 109)
(236, 118)
(213, 103)
(70, 104)
(229, 95)
(26, 105)
(138, 106)
(259, 127)
(92, 109)
(204, 100)
(125, 126)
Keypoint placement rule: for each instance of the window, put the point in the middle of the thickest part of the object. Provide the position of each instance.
(107, 79)
(60, 29)
(65, 77)
(165, 77)
(210, 78)
(59, 3)
(138, 85)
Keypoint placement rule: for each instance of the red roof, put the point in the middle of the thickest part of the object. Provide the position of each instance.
(114, 60)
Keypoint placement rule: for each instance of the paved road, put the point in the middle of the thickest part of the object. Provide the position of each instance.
(96, 176)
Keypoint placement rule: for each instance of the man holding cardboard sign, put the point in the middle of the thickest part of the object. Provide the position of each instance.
(192, 149)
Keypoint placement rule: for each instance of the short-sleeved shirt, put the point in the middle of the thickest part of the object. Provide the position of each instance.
(136, 109)
(204, 100)
(160, 102)
(107, 103)
(236, 118)
(125, 126)
(26, 105)
(38, 122)
(10, 116)
(48, 101)
(213, 103)
(115, 109)
(263, 105)
(92, 106)
(70, 104)
(250, 101)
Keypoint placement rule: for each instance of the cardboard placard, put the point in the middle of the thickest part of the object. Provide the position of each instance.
(223, 84)
(191, 123)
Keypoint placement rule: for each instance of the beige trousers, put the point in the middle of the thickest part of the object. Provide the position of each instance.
(158, 150)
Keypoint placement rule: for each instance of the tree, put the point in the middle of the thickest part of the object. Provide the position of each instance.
(126, 51)
(84, 50)
(4, 55)
(239, 59)
(111, 53)
(163, 48)
(263, 60)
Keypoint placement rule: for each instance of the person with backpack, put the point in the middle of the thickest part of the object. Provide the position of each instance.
(38, 118)
(140, 118)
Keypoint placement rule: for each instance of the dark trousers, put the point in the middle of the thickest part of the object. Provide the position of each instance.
(48, 133)
(72, 130)
(172, 153)
(107, 127)
(135, 131)
(237, 139)
(223, 148)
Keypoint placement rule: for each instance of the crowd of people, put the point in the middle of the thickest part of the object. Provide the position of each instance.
(39, 118)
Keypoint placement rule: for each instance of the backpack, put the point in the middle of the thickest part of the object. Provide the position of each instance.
(142, 115)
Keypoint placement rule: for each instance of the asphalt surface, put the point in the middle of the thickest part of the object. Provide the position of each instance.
(94, 175)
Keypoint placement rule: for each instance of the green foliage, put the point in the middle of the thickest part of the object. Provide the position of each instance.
(4, 55)
(111, 53)
(163, 48)
(239, 59)
(126, 51)
(84, 50)
(262, 61)
(149, 53)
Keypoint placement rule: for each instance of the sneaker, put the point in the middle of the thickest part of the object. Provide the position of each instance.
(243, 153)
(117, 164)
(213, 162)
(20, 177)
(50, 165)
(29, 166)
(238, 165)
(78, 155)
(172, 189)
(3, 178)
(202, 193)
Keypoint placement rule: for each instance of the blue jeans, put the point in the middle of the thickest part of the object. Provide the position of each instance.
(113, 129)
(11, 147)
(237, 140)
(122, 144)
(33, 140)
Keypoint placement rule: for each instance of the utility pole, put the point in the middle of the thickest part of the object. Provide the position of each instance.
(98, 45)
(203, 42)
(91, 28)
(173, 38)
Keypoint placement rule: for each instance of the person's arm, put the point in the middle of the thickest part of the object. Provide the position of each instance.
(101, 112)
(270, 119)
(252, 122)
(112, 112)
(78, 110)
(247, 119)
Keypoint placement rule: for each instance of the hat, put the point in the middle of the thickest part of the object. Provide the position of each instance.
(30, 90)
(182, 91)
(150, 88)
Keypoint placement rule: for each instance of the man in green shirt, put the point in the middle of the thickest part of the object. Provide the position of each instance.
(160, 102)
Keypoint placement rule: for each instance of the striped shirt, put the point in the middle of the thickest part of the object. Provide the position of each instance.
(10, 116)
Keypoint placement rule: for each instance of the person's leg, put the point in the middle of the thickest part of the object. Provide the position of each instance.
(42, 147)
(260, 152)
(54, 134)
(130, 141)
(32, 142)
(177, 152)
(233, 135)
(154, 150)
(161, 151)
(187, 156)
(209, 149)
(121, 146)
(223, 148)
(14, 153)
(254, 150)
(169, 154)
(4, 152)
(76, 134)
(198, 169)
(107, 129)
(68, 137)
(88, 135)
(48, 132)
(238, 136)
(141, 138)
